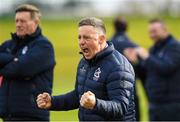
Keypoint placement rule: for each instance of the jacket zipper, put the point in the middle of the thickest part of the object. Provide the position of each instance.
(87, 74)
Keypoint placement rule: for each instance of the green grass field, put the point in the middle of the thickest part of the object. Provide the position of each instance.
(63, 35)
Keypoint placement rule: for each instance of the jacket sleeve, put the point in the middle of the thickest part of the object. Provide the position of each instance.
(65, 102)
(3, 47)
(37, 59)
(5, 57)
(140, 71)
(120, 89)
(167, 63)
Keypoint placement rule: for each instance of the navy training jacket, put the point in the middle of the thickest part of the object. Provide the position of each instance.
(121, 42)
(27, 69)
(111, 78)
(163, 72)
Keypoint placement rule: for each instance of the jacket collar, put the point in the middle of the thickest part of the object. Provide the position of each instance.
(27, 38)
(105, 52)
(119, 33)
(162, 42)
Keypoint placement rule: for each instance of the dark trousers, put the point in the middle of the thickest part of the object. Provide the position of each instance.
(164, 112)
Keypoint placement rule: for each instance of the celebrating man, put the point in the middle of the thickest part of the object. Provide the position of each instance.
(104, 87)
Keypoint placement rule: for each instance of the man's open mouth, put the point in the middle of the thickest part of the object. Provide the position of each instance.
(85, 50)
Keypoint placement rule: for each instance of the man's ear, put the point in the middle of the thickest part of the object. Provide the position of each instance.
(36, 21)
(102, 39)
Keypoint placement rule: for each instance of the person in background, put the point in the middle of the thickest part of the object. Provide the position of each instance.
(121, 42)
(104, 89)
(162, 66)
(26, 68)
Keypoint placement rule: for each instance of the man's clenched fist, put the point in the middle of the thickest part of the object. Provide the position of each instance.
(44, 100)
(88, 100)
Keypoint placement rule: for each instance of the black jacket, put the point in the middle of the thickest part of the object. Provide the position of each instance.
(27, 69)
(163, 72)
(111, 78)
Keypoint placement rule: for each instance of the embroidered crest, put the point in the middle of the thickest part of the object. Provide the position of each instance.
(97, 74)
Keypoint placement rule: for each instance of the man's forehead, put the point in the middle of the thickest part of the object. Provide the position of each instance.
(22, 13)
(88, 28)
(156, 25)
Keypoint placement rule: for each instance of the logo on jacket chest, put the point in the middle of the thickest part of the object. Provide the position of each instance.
(24, 50)
(97, 74)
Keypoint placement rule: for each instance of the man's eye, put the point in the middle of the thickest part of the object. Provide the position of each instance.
(79, 37)
(16, 20)
(23, 21)
(87, 37)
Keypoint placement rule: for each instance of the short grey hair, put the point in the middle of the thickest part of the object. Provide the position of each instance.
(92, 21)
(33, 10)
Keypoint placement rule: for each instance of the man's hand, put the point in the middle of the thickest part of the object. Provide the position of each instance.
(44, 101)
(131, 55)
(143, 53)
(88, 100)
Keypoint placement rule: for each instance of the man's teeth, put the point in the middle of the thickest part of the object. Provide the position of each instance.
(85, 50)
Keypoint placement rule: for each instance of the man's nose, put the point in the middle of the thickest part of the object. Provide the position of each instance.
(81, 41)
(18, 23)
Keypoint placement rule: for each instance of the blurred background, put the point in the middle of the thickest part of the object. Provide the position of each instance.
(59, 24)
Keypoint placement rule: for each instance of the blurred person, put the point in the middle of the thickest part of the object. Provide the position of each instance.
(26, 68)
(121, 41)
(162, 66)
(104, 88)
